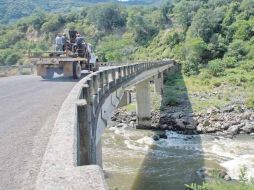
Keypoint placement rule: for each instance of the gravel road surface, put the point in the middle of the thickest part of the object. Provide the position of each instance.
(28, 108)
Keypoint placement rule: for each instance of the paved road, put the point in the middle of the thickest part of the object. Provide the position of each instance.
(28, 109)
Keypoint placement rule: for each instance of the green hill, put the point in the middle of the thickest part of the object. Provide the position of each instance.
(12, 10)
(213, 40)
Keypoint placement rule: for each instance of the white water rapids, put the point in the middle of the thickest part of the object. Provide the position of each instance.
(134, 161)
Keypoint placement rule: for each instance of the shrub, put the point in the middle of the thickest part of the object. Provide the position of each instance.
(243, 79)
(215, 67)
(216, 83)
(248, 66)
(229, 62)
(238, 49)
(191, 68)
(204, 75)
(250, 101)
(12, 59)
(170, 101)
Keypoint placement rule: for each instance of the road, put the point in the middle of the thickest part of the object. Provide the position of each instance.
(28, 109)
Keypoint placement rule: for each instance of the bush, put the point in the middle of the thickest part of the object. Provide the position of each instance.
(243, 79)
(250, 101)
(238, 49)
(12, 59)
(204, 75)
(248, 65)
(215, 67)
(229, 62)
(191, 68)
(216, 83)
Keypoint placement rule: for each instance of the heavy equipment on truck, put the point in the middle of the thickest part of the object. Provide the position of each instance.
(70, 62)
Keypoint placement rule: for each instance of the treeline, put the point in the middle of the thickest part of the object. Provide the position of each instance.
(97, 23)
(214, 32)
(12, 10)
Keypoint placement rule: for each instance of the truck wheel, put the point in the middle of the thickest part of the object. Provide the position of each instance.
(76, 70)
(96, 67)
(49, 74)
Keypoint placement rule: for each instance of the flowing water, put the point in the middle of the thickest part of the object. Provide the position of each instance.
(132, 160)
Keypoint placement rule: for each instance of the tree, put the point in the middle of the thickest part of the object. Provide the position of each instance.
(166, 8)
(107, 17)
(204, 24)
(243, 30)
(143, 30)
(185, 10)
(53, 23)
(194, 49)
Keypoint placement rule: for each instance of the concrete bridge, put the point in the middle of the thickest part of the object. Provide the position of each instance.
(73, 158)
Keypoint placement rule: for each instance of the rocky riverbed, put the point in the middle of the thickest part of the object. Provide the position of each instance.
(226, 121)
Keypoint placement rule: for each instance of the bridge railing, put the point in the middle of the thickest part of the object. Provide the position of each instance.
(70, 159)
(96, 88)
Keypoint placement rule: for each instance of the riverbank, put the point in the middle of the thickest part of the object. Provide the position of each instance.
(189, 106)
(228, 121)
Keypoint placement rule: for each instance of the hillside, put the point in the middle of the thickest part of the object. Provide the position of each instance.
(213, 40)
(10, 11)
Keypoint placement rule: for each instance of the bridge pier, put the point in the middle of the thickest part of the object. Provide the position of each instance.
(126, 99)
(143, 104)
(158, 84)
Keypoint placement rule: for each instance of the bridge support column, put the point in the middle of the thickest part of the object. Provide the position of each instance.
(126, 99)
(143, 104)
(158, 84)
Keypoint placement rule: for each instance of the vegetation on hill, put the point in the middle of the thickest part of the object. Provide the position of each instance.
(213, 40)
(12, 10)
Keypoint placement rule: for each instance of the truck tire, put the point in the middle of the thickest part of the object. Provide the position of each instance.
(49, 74)
(76, 70)
(96, 67)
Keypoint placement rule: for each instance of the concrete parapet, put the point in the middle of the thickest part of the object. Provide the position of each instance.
(75, 140)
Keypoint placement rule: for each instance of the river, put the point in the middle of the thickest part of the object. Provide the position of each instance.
(132, 160)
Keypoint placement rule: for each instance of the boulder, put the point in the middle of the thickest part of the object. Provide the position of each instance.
(211, 129)
(246, 115)
(206, 123)
(233, 130)
(200, 127)
(121, 125)
(164, 127)
(212, 110)
(163, 136)
(180, 123)
(178, 115)
(190, 127)
(222, 174)
(156, 138)
(227, 178)
(248, 128)
(228, 109)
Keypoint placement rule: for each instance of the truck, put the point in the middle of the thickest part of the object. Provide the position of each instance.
(71, 61)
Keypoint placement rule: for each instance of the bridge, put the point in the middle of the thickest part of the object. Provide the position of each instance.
(73, 158)
(32, 123)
